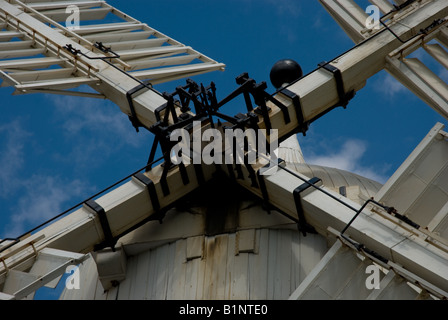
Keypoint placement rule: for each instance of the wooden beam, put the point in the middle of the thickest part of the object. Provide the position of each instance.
(85, 14)
(384, 5)
(30, 63)
(422, 81)
(318, 90)
(66, 83)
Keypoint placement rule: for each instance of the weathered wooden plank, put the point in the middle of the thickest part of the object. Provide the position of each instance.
(84, 14)
(258, 268)
(384, 5)
(181, 280)
(30, 63)
(42, 75)
(141, 274)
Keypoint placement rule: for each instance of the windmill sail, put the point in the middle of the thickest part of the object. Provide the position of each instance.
(226, 238)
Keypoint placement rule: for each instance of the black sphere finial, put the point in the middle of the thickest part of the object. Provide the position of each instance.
(284, 72)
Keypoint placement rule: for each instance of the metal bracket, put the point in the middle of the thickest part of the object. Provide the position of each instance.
(344, 98)
(133, 117)
(109, 240)
(159, 214)
(304, 227)
(303, 126)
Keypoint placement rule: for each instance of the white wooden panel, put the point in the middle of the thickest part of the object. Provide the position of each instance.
(393, 287)
(246, 241)
(16, 280)
(195, 247)
(258, 268)
(160, 285)
(48, 260)
(439, 223)
(140, 277)
(165, 273)
(339, 275)
(419, 188)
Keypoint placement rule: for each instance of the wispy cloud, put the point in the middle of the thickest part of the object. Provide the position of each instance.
(42, 197)
(389, 86)
(96, 116)
(93, 128)
(348, 157)
(13, 138)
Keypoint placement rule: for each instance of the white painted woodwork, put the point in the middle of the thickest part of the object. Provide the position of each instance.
(282, 260)
(226, 268)
(340, 275)
(348, 15)
(384, 5)
(112, 83)
(29, 64)
(412, 73)
(318, 89)
(46, 270)
(419, 188)
(393, 287)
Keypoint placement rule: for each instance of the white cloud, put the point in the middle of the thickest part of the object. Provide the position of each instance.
(349, 158)
(96, 116)
(12, 142)
(42, 198)
(389, 86)
(95, 130)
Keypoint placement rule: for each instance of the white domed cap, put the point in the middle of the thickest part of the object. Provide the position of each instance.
(290, 151)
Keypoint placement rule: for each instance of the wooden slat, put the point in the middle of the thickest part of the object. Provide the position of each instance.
(354, 10)
(136, 44)
(59, 83)
(442, 36)
(13, 45)
(8, 54)
(384, 5)
(85, 14)
(41, 75)
(30, 63)
(8, 35)
(152, 63)
(109, 27)
(118, 37)
(422, 81)
(140, 53)
(175, 71)
(438, 53)
(63, 4)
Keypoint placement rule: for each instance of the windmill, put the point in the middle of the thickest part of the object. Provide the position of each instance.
(201, 250)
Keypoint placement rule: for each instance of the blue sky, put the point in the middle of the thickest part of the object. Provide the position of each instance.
(57, 151)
